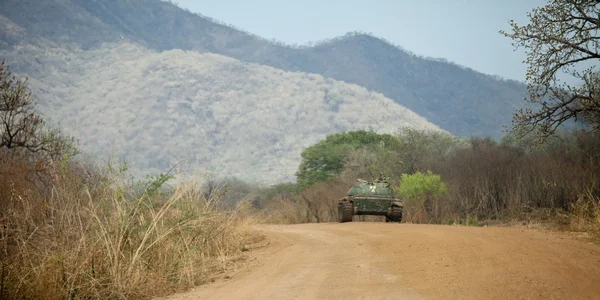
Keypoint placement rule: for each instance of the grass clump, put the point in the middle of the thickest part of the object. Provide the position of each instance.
(72, 234)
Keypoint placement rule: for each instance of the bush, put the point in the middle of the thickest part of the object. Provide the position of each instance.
(422, 193)
(99, 237)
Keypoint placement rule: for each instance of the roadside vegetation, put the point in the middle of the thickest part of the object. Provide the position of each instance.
(70, 229)
(449, 180)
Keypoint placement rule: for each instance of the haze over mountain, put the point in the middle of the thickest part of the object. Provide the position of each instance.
(457, 99)
(156, 84)
(231, 118)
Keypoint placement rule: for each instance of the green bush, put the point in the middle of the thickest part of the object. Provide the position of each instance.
(422, 192)
(422, 186)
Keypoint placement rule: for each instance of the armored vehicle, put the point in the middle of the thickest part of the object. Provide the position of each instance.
(370, 198)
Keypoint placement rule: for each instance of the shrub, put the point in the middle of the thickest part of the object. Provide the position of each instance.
(422, 193)
(98, 237)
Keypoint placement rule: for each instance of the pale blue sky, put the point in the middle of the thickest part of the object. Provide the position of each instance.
(461, 31)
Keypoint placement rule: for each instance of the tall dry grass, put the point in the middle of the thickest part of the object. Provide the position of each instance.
(101, 238)
(585, 213)
(286, 210)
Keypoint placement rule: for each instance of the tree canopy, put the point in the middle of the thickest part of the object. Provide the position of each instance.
(560, 40)
(326, 159)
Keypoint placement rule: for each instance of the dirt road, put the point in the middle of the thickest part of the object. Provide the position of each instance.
(403, 261)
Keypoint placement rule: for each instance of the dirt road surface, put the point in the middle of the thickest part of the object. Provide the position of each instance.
(404, 261)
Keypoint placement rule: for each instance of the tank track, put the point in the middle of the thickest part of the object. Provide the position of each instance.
(345, 212)
(395, 215)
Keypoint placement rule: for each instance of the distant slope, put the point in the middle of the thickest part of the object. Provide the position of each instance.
(234, 118)
(460, 100)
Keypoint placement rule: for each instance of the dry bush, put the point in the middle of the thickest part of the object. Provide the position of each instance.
(501, 182)
(19, 177)
(287, 210)
(322, 198)
(414, 211)
(98, 238)
(479, 177)
(316, 203)
(585, 212)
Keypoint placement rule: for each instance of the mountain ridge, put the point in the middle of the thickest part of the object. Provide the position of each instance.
(459, 99)
(228, 117)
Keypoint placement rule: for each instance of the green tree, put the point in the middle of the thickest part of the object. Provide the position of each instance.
(327, 158)
(412, 150)
(561, 38)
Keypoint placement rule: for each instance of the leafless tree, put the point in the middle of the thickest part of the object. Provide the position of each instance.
(314, 202)
(20, 126)
(562, 37)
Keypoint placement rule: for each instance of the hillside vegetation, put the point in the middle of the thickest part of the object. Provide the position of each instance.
(232, 118)
(455, 98)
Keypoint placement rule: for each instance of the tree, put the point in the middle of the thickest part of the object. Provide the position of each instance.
(562, 37)
(20, 126)
(327, 158)
(419, 148)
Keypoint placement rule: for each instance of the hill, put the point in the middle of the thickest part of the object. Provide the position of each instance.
(239, 119)
(458, 99)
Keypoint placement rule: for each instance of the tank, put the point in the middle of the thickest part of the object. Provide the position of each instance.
(370, 198)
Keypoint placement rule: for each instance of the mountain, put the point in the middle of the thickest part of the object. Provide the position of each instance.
(458, 99)
(233, 118)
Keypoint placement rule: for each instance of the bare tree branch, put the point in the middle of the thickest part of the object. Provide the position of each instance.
(21, 127)
(562, 36)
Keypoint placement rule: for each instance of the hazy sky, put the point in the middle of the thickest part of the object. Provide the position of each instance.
(461, 31)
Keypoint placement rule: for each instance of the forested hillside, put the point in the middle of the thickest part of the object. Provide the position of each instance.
(233, 118)
(457, 99)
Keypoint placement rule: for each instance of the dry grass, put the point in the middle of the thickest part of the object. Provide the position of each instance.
(103, 240)
(585, 215)
(286, 210)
